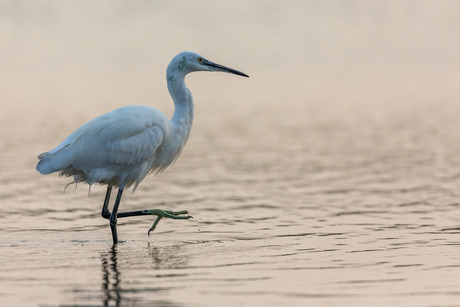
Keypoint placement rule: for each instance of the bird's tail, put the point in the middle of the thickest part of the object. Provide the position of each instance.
(44, 166)
(51, 162)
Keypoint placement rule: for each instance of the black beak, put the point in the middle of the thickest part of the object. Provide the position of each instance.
(225, 69)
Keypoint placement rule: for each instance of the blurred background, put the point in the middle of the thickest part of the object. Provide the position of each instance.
(367, 56)
(345, 136)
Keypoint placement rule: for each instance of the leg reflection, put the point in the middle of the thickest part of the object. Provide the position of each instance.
(145, 272)
(110, 278)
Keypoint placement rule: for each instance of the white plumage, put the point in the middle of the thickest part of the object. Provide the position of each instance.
(121, 147)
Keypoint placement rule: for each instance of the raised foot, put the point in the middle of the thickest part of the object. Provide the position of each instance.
(176, 215)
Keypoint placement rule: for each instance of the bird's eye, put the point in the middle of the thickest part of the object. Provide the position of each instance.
(200, 60)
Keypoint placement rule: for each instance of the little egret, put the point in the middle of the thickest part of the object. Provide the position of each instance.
(121, 147)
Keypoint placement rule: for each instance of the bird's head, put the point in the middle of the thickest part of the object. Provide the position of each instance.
(187, 62)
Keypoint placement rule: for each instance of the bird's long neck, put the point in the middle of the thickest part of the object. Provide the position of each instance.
(183, 101)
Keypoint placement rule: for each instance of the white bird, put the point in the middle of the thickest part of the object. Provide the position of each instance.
(121, 147)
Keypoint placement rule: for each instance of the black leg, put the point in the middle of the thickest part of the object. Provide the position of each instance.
(105, 211)
(113, 216)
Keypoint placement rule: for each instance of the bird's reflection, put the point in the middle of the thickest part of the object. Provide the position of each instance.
(116, 260)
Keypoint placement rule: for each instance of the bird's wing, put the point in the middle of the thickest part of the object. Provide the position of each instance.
(137, 146)
(126, 136)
